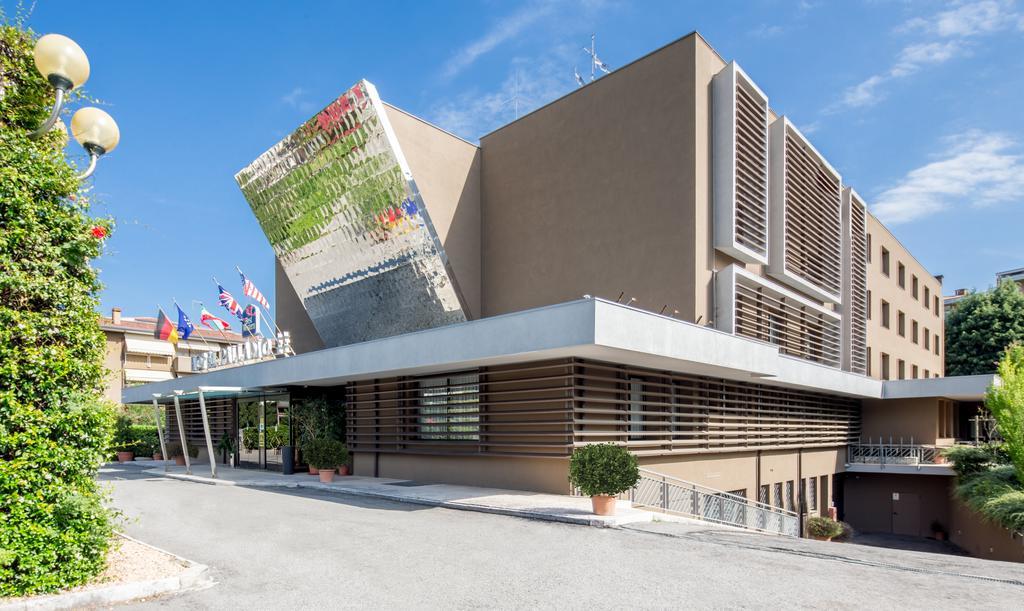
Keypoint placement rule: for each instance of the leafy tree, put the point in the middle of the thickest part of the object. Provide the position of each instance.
(1006, 402)
(980, 328)
(54, 429)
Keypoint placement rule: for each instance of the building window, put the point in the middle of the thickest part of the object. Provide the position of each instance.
(789, 496)
(936, 343)
(926, 375)
(869, 247)
(812, 494)
(901, 275)
(935, 307)
(913, 331)
(927, 297)
(868, 372)
(636, 408)
(927, 339)
(777, 494)
(885, 314)
(869, 305)
(450, 408)
(913, 286)
(901, 324)
(762, 495)
(901, 369)
(913, 372)
(885, 261)
(885, 366)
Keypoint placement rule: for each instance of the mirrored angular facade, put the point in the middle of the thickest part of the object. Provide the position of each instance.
(338, 203)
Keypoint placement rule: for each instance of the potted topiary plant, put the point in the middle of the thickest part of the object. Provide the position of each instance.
(177, 455)
(124, 441)
(823, 529)
(325, 455)
(226, 445)
(602, 472)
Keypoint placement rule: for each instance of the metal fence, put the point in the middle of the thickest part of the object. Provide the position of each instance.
(676, 496)
(889, 453)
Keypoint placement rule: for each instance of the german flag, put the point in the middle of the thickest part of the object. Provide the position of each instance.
(165, 329)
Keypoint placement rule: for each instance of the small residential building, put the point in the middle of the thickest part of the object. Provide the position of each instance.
(135, 356)
(659, 260)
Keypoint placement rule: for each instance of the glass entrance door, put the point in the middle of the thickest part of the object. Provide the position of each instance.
(250, 433)
(278, 430)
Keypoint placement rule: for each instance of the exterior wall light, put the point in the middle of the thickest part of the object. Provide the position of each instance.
(97, 132)
(65, 66)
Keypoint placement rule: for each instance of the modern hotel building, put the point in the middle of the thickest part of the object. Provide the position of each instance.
(657, 260)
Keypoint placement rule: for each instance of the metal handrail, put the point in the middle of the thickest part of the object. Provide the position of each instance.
(891, 453)
(677, 496)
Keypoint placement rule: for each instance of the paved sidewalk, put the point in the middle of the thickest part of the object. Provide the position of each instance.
(550, 507)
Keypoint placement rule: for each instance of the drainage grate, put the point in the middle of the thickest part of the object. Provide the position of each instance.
(407, 484)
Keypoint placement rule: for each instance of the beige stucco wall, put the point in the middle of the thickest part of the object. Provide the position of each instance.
(880, 286)
(290, 315)
(900, 418)
(594, 193)
(549, 475)
(113, 377)
(447, 172)
(983, 539)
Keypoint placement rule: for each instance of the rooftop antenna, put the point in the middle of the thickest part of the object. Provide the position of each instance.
(595, 62)
(619, 298)
(516, 94)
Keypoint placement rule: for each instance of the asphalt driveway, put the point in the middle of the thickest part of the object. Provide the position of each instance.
(291, 549)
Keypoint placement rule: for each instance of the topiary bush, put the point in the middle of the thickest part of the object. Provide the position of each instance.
(325, 453)
(822, 526)
(603, 469)
(55, 431)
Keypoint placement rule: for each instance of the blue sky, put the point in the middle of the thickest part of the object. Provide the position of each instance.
(917, 104)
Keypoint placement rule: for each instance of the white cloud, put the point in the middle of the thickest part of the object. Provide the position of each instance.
(534, 83)
(502, 31)
(977, 168)
(296, 99)
(766, 31)
(948, 36)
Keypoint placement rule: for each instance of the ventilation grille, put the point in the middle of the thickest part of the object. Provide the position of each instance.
(797, 329)
(813, 222)
(858, 288)
(751, 172)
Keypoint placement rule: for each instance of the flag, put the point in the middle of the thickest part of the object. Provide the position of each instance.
(205, 319)
(185, 326)
(165, 329)
(229, 302)
(250, 321)
(579, 79)
(249, 289)
(603, 67)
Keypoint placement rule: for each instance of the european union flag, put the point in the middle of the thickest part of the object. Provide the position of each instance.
(185, 326)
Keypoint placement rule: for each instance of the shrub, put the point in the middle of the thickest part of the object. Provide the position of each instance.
(147, 439)
(822, 526)
(603, 468)
(1006, 403)
(969, 460)
(55, 431)
(325, 453)
(174, 449)
(250, 438)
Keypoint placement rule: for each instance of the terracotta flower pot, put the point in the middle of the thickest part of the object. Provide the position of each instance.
(313, 470)
(179, 460)
(940, 536)
(343, 470)
(817, 538)
(158, 456)
(125, 456)
(326, 475)
(603, 504)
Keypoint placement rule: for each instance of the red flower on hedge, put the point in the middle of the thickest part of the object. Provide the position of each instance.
(99, 232)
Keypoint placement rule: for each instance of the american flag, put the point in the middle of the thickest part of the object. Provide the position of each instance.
(229, 302)
(249, 290)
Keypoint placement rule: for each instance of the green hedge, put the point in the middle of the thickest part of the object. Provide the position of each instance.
(55, 431)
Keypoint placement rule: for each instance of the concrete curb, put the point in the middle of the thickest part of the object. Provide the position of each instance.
(192, 578)
(582, 520)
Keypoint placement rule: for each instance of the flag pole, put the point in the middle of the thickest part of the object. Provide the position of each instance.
(277, 330)
(196, 330)
(219, 328)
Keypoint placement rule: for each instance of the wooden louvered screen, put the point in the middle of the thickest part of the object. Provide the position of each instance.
(813, 206)
(751, 171)
(857, 310)
(547, 408)
(653, 412)
(796, 328)
(220, 411)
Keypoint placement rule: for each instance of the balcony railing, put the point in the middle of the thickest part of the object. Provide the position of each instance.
(894, 453)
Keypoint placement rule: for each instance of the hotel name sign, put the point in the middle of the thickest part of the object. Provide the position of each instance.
(254, 350)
